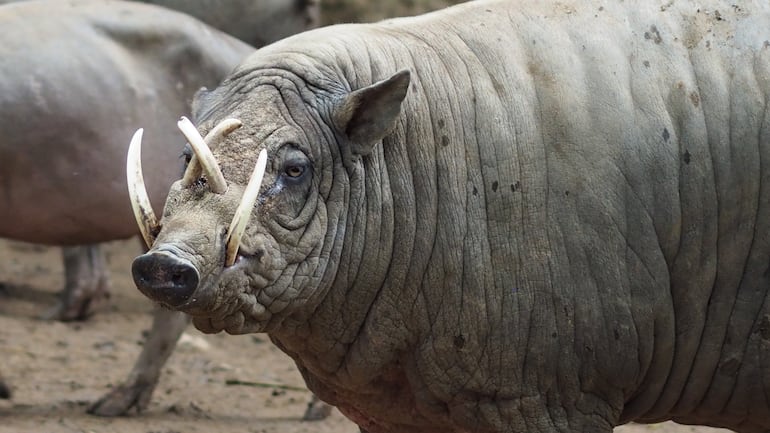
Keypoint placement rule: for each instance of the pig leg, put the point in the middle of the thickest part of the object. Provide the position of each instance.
(86, 283)
(5, 392)
(136, 391)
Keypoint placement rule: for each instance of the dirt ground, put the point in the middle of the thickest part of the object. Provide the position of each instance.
(57, 369)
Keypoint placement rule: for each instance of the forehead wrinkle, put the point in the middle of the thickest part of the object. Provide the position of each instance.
(296, 113)
(272, 104)
(307, 84)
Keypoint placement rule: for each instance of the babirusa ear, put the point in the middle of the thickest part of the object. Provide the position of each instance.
(366, 115)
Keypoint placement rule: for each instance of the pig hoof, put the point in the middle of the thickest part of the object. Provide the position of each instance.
(122, 399)
(77, 307)
(317, 410)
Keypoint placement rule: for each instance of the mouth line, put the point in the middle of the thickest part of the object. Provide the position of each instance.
(248, 316)
(249, 282)
(245, 256)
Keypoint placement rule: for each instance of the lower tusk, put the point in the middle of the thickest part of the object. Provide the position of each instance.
(245, 207)
(192, 173)
(137, 192)
(212, 139)
(205, 158)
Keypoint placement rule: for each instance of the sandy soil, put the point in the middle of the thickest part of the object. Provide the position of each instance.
(57, 369)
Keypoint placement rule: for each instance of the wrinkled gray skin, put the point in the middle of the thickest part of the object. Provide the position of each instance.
(73, 87)
(567, 227)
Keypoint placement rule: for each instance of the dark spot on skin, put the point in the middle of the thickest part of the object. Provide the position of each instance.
(718, 16)
(459, 341)
(441, 123)
(475, 191)
(653, 35)
(616, 334)
(695, 98)
(708, 44)
(686, 157)
(646, 63)
(444, 140)
(666, 135)
(730, 367)
(553, 335)
(515, 186)
(494, 186)
(566, 192)
(764, 327)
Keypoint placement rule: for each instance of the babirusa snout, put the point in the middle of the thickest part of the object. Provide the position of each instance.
(140, 201)
(245, 207)
(204, 157)
(164, 277)
(222, 130)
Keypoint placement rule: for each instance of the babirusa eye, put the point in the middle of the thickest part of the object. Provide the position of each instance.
(294, 170)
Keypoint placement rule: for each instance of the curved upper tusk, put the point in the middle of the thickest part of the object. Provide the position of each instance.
(212, 139)
(222, 130)
(204, 156)
(245, 207)
(137, 192)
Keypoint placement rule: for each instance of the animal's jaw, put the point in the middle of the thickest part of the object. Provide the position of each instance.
(238, 302)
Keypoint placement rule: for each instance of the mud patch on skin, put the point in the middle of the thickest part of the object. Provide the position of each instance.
(764, 327)
(730, 367)
(695, 99)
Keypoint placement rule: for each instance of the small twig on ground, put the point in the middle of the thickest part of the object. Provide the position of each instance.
(264, 385)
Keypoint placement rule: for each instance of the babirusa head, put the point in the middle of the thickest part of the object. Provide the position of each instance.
(168, 272)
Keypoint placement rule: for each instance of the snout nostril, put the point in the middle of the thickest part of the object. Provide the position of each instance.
(177, 279)
(165, 278)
